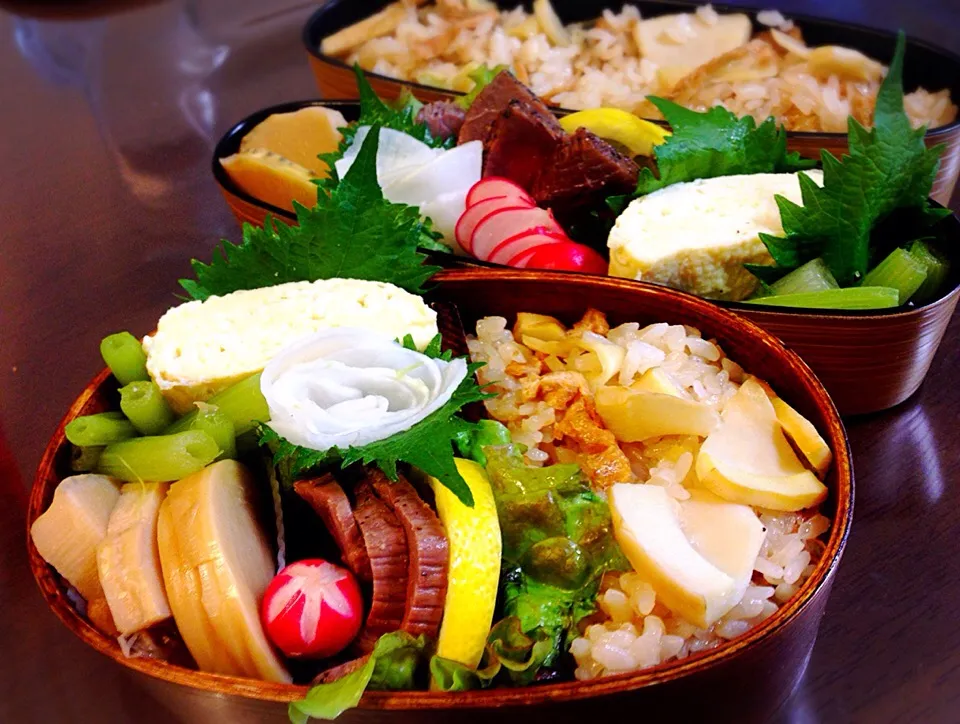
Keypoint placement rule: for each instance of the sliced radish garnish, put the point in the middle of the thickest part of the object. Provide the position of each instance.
(473, 215)
(500, 225)
(567, 256)
(494, 186)
(521, 259)
(509, 248)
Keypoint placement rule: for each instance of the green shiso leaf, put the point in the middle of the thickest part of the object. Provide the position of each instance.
(889, 167)
(352, 232)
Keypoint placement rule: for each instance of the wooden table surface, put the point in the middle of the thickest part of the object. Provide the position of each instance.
(108, 116)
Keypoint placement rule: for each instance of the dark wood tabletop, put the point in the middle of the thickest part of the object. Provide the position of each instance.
(108, 117)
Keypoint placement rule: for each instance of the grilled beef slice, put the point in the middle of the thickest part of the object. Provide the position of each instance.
(428, 554)
(583, 170)
(522, 139)
(386, 545)
(328, 501)
(443, 118)
(491, 102)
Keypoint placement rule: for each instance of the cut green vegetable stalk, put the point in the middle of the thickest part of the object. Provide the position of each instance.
(937, 270)
(243, 404)
(814, 276)
(143, 404)
(852, 298)
(159, 458)
(125, 357)
(212, 421)
(103, 428)
(84, 459)
(900, 270)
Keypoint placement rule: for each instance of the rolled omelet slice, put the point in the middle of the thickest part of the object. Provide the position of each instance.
(203, 347)
(696, 236)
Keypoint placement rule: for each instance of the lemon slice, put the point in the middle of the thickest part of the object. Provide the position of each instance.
(634, 133)
(474, 573)
(271, 178)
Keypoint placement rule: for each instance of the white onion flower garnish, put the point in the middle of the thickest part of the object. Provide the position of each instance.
(347, 387)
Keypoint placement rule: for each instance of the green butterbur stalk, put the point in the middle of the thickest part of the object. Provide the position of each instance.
(937, 270)
(900, 270)
(212, 421)
(158, 458)
(851, 298)
(814, 276)
(143, 404)
(103, 428)
(124, 355)
(242, 404)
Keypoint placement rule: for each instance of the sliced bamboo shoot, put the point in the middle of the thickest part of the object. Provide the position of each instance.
(68, 533)
(218, 563)
(129, 562)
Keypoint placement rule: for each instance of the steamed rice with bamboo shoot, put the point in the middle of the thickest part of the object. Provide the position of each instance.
(620, 58)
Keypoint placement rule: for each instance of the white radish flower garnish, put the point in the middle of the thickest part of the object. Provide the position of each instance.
(348, 387)
(432, 179)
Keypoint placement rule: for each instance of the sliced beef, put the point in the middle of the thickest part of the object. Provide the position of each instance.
(387, 548)
(443, 118)
(328, 501)
(583, 171)
(491, 102)
(521, 140)
(429, 556)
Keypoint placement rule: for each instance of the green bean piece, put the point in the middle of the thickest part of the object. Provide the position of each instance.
(242, 403)
(84, 459)
(143, 403)
(159, 458)
(125, 357)
(100, 429)
(218, 426)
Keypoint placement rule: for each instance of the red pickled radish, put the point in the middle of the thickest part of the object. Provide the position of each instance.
(496, 186)
(463, 232)
(567, 257)
(516, 245)
(503, 224)
(312, 609)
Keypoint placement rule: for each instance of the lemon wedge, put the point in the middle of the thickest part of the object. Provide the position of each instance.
(474, 573)
(613, 124)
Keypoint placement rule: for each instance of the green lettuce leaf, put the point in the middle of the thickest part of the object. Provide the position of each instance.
(557, 544)
(481, 78)
(392, 665)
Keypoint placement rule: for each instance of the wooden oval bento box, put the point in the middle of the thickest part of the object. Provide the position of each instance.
(926, 65)
(748, 677)
(868, 361)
